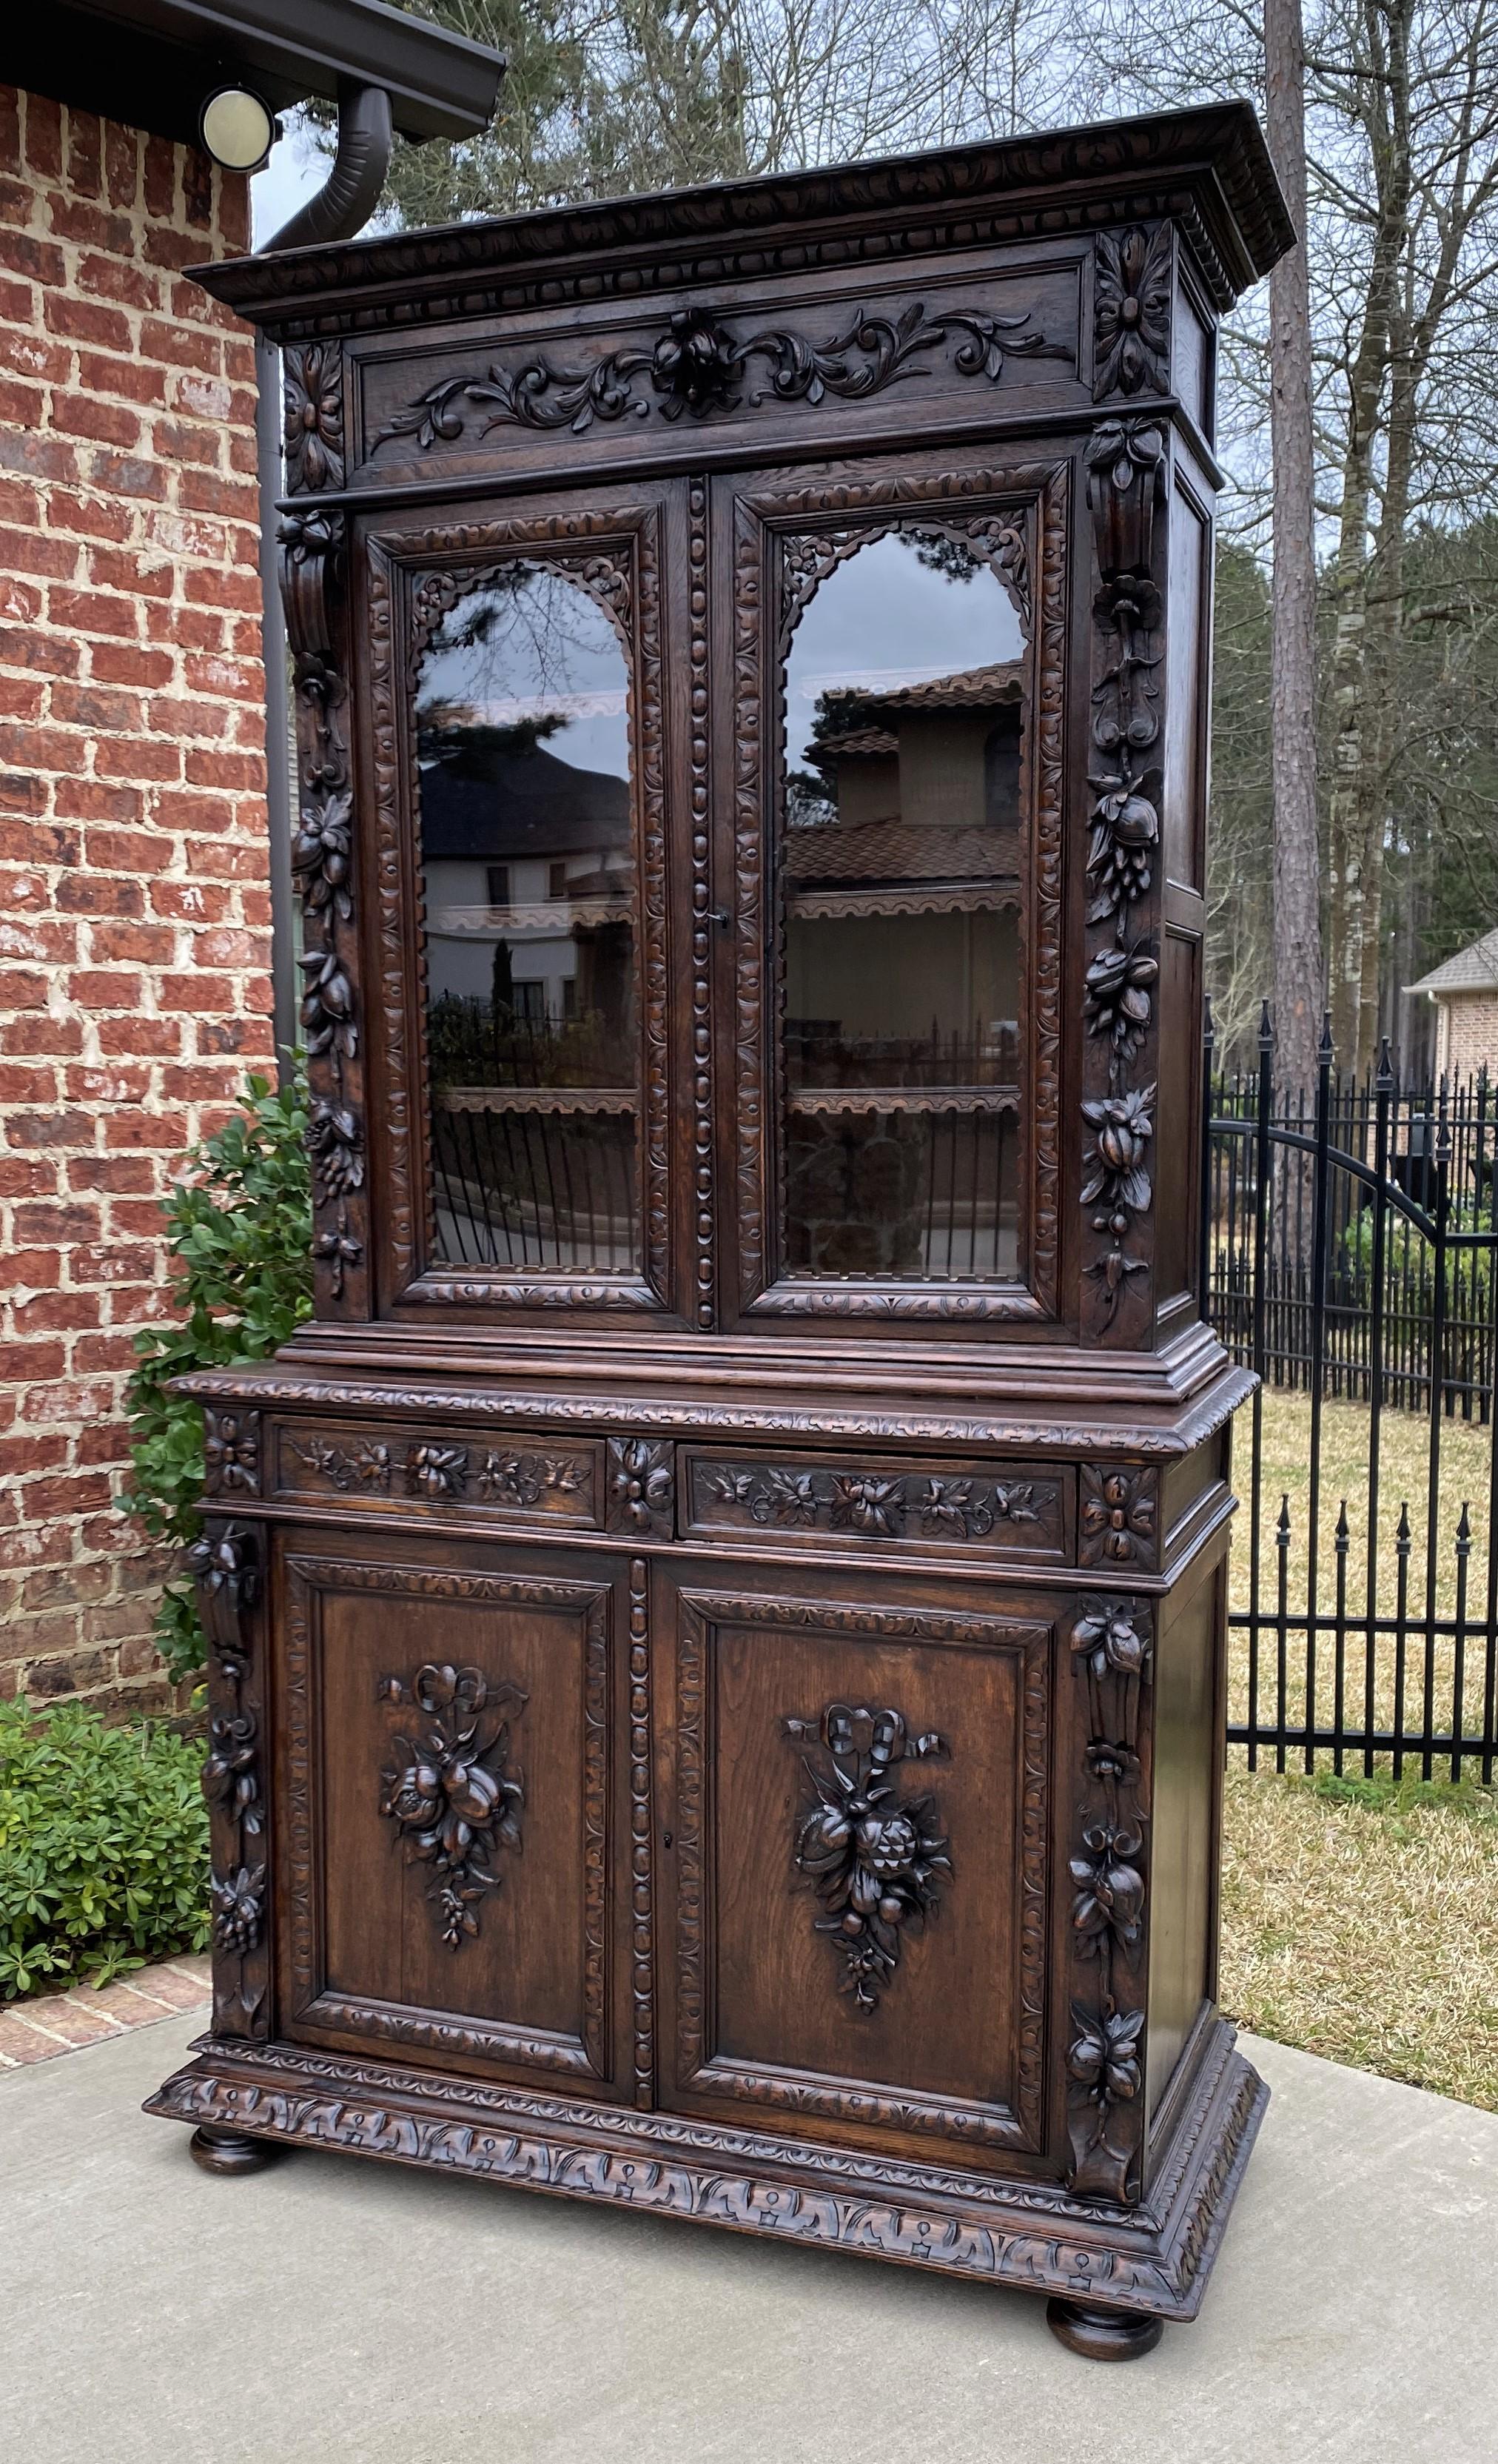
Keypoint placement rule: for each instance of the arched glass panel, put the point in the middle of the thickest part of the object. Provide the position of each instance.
(527, 846)
(900, 853)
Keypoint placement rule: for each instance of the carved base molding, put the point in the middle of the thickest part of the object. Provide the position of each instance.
(1153, 2259)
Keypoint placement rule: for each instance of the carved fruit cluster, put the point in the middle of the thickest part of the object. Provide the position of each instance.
(876, 1861)
(450, 1793)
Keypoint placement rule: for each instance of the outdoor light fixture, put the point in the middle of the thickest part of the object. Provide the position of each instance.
(237, 127)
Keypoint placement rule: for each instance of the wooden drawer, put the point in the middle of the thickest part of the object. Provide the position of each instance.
(516, 1478)
(1012, 1510)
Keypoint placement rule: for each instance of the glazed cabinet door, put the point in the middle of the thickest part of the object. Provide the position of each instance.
(856, 1781)
(517, 686)
(446, 1728)
(898, 679)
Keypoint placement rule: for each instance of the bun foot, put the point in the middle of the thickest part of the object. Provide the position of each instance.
(228, 2151)
(1102, 2335)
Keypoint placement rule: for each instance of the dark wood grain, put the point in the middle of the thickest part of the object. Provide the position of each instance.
(708, 1735)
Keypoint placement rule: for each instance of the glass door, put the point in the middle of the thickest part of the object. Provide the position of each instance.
(908, 1049)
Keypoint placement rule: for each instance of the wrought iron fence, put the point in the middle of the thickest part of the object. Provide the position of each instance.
(1348, 1256)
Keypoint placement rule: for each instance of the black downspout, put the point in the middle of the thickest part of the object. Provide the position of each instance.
(340, 207)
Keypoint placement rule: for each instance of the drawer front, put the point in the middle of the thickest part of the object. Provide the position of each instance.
(1010, 1510)
(516, 1478)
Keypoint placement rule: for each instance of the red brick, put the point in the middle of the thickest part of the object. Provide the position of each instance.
(102, 707)
(93, 228)
(160, 178)
(38, 1031)
(94, 611)
(152, 945)
(122, 163)
(126, 664)
(51, 1130)
(138, 383)
(138, 852)
(137, 757)
(89, 893)
(150, 576)
(179, 346)
(22, 406)
(10, 129)
(41, 259)
(47, 653)
(131, 474)
(162, 1133)
(32, 354)
(85, 153)
(106, 422)
(56, 1312)
(157, 1036)
(104, 277)
(41, 458)
(28, 552)
(86, 321)
(126, 1176)
(44, 136)
(98, 989)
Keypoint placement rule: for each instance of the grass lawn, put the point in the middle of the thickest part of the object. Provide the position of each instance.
(1360, 1919)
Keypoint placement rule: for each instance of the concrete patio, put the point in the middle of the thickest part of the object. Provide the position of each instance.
(332, 2312)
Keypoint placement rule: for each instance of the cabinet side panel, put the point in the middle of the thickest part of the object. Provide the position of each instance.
(1187, 1751)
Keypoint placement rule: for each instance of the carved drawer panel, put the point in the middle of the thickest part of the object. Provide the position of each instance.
(1012, 1509)
(521, 1478)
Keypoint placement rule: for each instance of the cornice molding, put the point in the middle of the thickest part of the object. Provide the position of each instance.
(1209, 167)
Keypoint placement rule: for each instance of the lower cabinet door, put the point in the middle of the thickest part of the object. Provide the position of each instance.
(855, 1884)
(448, 1731)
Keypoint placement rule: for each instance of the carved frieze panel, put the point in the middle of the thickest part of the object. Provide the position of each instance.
(518, 1478)
(226, 1563)
(703, 364)
(1019, 1510)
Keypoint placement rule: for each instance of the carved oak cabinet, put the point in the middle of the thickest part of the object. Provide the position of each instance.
(717, 1624)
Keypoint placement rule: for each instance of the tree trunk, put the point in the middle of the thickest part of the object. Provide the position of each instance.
(1297, 889)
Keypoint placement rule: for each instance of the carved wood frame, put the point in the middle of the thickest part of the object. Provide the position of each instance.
(1035, 496)
(308, 2003)
(611, 552)
(697, 2072)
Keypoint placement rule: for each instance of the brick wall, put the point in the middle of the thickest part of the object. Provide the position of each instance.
(133, 905)
(1467, 1035)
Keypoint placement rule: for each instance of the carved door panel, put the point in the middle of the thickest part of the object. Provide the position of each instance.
(450, 1753)
(855, 1945)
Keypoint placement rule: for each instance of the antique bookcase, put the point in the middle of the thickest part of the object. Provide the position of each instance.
(717, 1624)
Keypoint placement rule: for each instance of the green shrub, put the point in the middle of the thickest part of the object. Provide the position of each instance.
(241, 1228)
(103, 1846)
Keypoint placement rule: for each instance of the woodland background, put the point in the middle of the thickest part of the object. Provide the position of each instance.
(1354, 798)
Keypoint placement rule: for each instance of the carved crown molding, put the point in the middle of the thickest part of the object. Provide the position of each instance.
(1209, 164)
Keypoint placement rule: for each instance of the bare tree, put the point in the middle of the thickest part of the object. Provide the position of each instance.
(1297, 872)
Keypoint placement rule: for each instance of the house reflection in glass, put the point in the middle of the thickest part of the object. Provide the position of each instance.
(528, 859)
(901, 864)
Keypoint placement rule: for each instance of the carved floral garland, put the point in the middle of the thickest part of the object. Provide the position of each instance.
(225, 1564)
(1110, 1645)
(1125, 466)
(323, 858)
